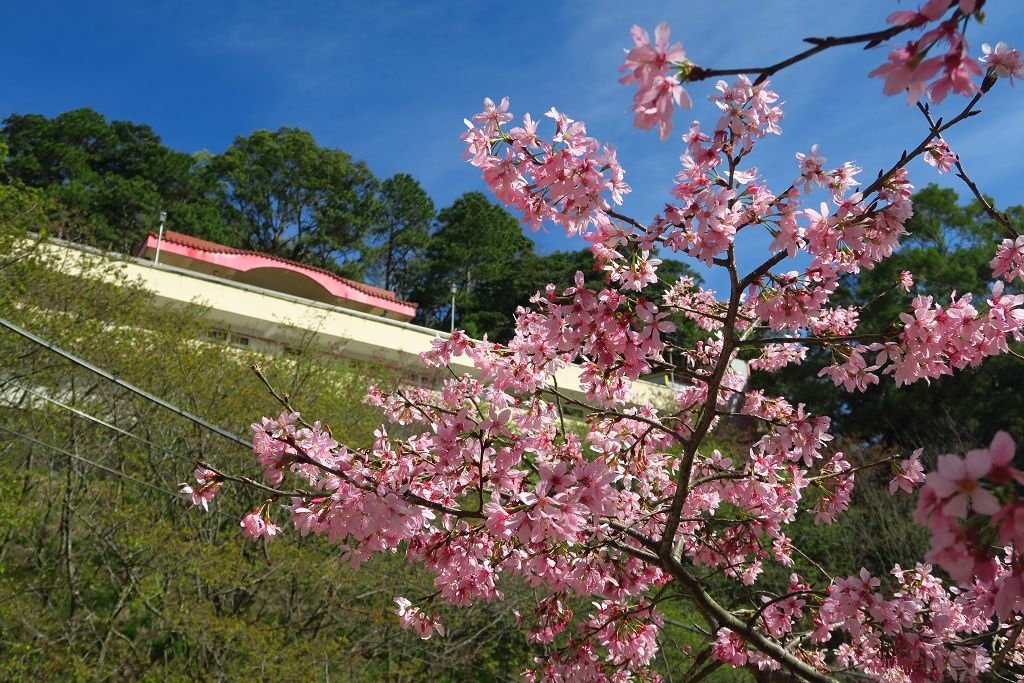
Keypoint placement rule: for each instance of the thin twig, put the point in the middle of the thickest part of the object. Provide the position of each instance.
(996, 215)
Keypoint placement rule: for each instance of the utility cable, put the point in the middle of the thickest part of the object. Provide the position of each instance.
(96, 420)
(141, 392)
(125, 385)
(111, 470)
(295, 540)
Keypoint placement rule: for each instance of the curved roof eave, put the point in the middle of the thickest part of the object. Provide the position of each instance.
(242, 261)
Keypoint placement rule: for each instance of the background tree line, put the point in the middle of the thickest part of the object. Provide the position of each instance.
(281, 193)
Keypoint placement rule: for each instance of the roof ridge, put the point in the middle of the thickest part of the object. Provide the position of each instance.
(190, 241)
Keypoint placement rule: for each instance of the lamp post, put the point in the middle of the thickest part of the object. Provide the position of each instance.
(160, 237)
(455, 289)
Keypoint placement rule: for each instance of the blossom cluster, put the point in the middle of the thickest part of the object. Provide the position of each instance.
(911, 68)
(976, 518)
(207, 486)
(561, 180)
(658, 90)
(412, 617)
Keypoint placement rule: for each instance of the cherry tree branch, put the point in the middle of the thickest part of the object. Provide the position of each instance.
(692, 73)
(625, 219)
(719, 615)
(707, 415)
(259, 486)
(696, 73)
(967, 112)
(996, 215)
(611, 413)
(818, 341)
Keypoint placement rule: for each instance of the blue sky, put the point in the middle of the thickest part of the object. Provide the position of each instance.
(390, 82)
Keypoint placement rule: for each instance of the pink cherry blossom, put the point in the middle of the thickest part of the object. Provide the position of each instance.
(657, 93)
(493, 116)
(939, 155)
(959, 74)
(1009, 259)
(909, 474)
(1004, 61)
(255, 525)
(811, 172)
(209, 484)
(1010, 596)
(957, 482)
(1002, 451)
(412, 617)
(907, 71)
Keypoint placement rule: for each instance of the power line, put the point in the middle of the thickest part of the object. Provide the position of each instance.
(111, 470)
(107, 425)
(136, 390)
(295, 540)
(125, 385)
(103, 423)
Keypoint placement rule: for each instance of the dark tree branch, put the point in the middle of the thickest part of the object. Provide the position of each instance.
(996, 215)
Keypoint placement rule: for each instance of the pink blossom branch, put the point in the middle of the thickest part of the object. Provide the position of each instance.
(252, 483)
(719, 615)
(730, 343)
(819, 341)
(302, 457)
(967, 112)
(859, 468)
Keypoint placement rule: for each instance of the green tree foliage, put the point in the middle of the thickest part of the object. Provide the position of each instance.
(560, 268)
(284, 194)
(479, 247)
(399, 234)
(114, 177)
(949, 249)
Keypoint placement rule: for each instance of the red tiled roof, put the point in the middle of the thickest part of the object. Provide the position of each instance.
(213, 247)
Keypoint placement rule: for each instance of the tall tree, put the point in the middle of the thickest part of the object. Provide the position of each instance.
(478, 247)
(399, 234)
(115, 176)
(286, 195)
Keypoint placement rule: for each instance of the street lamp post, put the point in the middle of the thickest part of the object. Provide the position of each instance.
(160, 237)
(454, 290)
